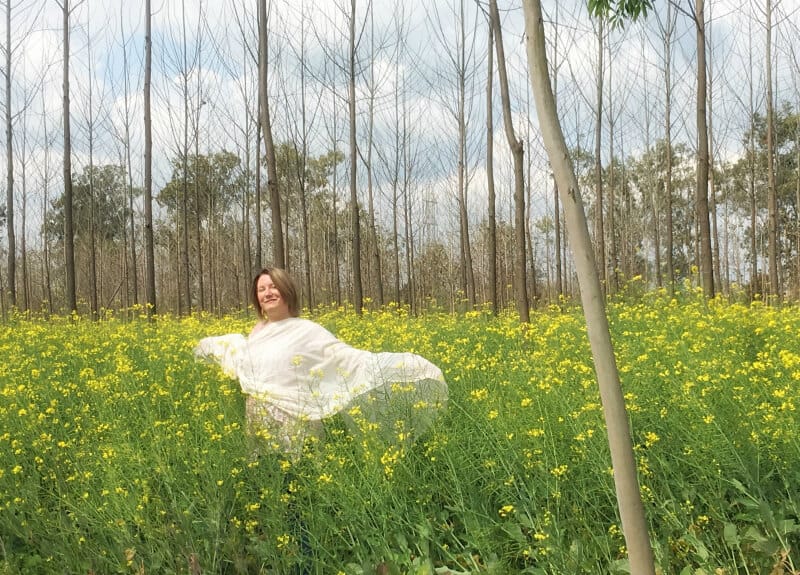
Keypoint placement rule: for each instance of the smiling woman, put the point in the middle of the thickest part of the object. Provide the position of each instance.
(296, 373)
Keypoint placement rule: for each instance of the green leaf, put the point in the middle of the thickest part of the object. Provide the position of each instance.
(699, 547)
(731, 535)
(515, 532)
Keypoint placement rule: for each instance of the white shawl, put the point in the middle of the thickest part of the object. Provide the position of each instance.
(300, 368)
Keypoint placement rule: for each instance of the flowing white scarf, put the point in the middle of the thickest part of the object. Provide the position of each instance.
(303, 370)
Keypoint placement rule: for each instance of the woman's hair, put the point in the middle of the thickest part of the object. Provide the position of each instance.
(285, 284)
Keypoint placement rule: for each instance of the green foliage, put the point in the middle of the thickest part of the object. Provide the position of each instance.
(101, 191)
(210, 184)
(619, 11)
(120, 454)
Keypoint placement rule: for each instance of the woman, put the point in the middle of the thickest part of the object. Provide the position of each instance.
(296, 373)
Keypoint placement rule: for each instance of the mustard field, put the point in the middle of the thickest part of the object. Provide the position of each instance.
(121, 454)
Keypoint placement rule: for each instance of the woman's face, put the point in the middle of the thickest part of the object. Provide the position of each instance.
(273, 306)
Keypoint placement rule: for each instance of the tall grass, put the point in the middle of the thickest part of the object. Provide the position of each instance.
(121, 454)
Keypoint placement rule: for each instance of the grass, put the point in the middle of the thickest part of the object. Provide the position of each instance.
(121, 454)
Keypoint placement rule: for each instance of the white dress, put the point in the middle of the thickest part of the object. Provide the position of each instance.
(296, 373)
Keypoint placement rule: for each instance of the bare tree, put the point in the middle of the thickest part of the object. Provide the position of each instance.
(634, 523)
(599, 228)
(69, 233)
(150, 269)
(492, 218)
(278, 249)
(772, 193)
(667, 27)
(358, 298)
(701, 189)
(12, 246)
(520, 275)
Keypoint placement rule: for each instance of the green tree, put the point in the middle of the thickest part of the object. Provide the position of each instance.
(629, 500)
(110, 205)
(218, 179)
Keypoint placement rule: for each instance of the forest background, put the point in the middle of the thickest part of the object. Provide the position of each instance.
(393, 178)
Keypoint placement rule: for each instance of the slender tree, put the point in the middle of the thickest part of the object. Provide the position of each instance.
(634, 523)
(278, 248)
(12, 245)
(492, 217)
(772, 193)
(69, 233)
(150, 260)
(520, 271)
(358, 297)
(599, 227)
(701, 186)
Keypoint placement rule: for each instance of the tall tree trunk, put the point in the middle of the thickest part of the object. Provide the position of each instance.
(613, 255)
(774, 250)
(374, 248)
(150, 260)
(755, 280)
(670, 20)
(129, 171)
(69, 232)
(521, 288)
(92, 230)
(467, 271)
(634, 523)
(23, 252)
(358, 297)
(712, 193)
(701, 189)
(599, 228)
(48, 284)
(185, 301)
(198, 236)
(492, 223)
(278, 248)
(12, 245)
(557, 234)
(259, 261)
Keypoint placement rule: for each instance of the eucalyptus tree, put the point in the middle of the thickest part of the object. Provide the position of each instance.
(634, 523)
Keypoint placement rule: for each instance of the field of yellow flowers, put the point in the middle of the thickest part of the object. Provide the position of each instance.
(119, 453)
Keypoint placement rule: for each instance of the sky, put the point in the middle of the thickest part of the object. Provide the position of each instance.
(412, 44)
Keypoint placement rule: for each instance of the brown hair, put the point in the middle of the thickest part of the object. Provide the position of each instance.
(286, 286)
